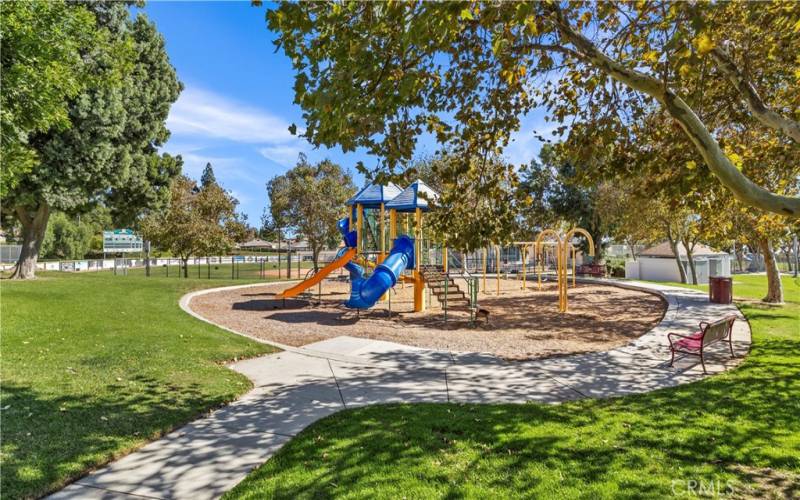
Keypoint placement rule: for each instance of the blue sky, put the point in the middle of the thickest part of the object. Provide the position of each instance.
(237, 103)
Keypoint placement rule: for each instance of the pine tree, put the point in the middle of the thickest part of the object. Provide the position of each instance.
(208, 177)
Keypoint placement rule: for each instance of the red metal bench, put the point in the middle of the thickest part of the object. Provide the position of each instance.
(709, 333)
(592, 270)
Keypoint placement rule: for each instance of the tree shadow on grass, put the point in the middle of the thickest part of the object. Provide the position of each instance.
(49, 441)
(718, 430)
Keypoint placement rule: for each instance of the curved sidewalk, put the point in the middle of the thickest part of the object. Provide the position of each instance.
(294, 388)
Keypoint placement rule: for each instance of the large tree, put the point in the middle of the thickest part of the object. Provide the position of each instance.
(198, 221)
(310, 199)
(478, 199)
(109, 152)
(558, 197)
(42, 68)
(378, 75)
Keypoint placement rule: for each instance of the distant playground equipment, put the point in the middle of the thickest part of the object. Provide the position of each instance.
(549, 247)
(415, 257)
(563, 247)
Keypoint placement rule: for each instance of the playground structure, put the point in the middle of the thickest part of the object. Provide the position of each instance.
(549, 245)
(416, 257)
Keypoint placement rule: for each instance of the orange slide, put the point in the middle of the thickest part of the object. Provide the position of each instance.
(319, 276)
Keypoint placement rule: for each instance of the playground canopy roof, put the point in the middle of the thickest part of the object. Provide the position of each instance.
(373, 195)
(409, 200)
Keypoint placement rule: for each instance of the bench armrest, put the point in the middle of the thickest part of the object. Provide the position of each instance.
(669, 337)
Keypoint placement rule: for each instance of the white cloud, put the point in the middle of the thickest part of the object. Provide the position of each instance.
(285, 154)
(225, 168)
(206, 114)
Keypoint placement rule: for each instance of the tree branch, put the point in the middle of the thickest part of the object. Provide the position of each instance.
(742, 187)
(748, 92)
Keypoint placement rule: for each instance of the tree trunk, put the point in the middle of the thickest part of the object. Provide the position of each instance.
(740, 258)
(315, 258)
(796, 247)
(774, 287)
(706, 144)
(185, 267)
(279, 253)
(674, 246)
(34, 224)
(632, 246)
(690, 258)
(692, 266)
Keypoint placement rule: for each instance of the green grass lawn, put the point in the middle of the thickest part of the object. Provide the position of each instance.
(739, 432)
(95, 365)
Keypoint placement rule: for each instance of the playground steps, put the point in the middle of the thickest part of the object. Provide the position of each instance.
(436, 279)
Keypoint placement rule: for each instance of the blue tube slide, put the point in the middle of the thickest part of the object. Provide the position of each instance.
(350, 237)
(366, 292)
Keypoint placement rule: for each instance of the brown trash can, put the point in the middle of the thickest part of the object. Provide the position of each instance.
(720, 290)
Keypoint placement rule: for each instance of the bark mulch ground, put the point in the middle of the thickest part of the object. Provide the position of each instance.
(523, 324)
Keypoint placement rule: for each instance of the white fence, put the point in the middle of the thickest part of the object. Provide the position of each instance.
(110, 264)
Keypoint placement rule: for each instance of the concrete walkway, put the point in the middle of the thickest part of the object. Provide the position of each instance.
(296, 387)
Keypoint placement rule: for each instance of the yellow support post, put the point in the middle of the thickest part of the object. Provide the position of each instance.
(444, 259)
(419, 283)
(418, 238)
(484, 252)
(497, 267)
(540, 267)
(383, 235)
(392, 225)
(382, 254)
(573, 265)
(359, 224)
(350, 218)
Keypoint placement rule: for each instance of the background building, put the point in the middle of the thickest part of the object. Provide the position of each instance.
(658, 263)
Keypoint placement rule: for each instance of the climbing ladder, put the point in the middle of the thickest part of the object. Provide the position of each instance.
(447, 291)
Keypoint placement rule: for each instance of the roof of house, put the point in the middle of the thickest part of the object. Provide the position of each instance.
(664, 250)
(409, 199)
(256, 243)
(373, 195)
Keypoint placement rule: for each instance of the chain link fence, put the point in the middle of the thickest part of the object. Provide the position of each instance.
(226, 267)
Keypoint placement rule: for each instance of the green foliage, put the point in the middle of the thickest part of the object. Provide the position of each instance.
(66, 238)
(310, 199)
(109, 151)
(380, 75)
(208, 176)
(198, 221)
(96, 365)
(70, 237)
(559, 199)
(42, 68)
(740, 426)
(478, 201)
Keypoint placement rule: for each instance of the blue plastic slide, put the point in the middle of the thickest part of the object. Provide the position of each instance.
(366, 292)
(348, 235)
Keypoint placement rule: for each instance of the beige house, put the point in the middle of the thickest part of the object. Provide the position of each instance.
(658, 263)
